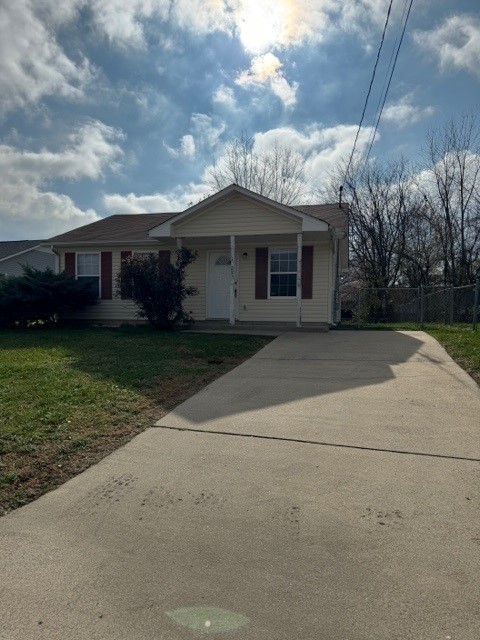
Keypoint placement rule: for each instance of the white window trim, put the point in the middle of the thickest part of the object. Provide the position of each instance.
(99, 254)
(279, 250)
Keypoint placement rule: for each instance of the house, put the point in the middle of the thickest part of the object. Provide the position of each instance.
(258, 260)
(16, 253)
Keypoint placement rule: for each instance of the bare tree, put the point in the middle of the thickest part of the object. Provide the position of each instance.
(452, 190)
(381, 199)
(422, 257)
(278, 173)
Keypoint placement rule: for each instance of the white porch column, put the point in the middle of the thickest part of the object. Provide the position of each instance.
(179, 243)
(232, 280)
(299, 279)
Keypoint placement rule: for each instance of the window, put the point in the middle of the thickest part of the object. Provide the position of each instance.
(88, 269)
(283, 273)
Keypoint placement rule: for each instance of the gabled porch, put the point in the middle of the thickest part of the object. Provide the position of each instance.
(258, 261)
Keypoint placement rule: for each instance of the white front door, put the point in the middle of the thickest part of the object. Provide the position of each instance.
(218, 285)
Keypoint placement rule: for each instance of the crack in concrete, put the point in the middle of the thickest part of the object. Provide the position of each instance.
(319, 443)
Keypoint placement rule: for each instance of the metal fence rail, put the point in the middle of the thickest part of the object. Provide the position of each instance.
(422, 305)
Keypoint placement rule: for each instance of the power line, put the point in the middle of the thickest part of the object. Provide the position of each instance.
(369, 89)
(389, 82)
(392, 55)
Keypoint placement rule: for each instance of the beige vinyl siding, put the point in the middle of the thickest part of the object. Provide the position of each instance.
(118, 310)
(284, 310)
(115, 310)
(196, 276)
(237, 216)
(318, 309)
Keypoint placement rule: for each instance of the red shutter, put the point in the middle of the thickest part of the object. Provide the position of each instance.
(307, 272)
(164, 257)
(261, 273)
(106, 277)
(123, 256)
(70, 264)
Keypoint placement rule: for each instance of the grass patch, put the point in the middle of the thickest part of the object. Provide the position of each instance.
(460, 341)
(70, 396)
(462, 344)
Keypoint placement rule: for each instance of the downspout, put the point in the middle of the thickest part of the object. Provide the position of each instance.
(336, 308)
(336, 278)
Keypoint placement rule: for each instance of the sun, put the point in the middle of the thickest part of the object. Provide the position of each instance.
(262, 24)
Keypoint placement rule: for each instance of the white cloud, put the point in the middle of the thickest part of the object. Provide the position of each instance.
(225, 97)
(32, 64)
(207, 130)
(205, 136)
(269, 24)
(266, 70)
(122, 21)
(287, 93)
(455, 42)
(403, 112)
(177, 199)
(322, 148)
(27, 207)
(204, 16)
(262, 69)
(152, 104)
(186, 148)
(259, 25)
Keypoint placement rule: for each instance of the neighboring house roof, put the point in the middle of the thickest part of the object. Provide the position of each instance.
(11, 248)
(135, 227)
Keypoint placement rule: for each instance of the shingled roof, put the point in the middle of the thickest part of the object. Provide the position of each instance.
(134, 227)
(117, 228)
(332, 214)
(12, 247)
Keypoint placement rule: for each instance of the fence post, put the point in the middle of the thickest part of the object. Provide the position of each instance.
(359, 293)
(476, 303)
(422, 304)
(452, 294)
(418, 306)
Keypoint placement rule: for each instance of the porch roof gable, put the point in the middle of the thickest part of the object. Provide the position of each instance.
(308, 222)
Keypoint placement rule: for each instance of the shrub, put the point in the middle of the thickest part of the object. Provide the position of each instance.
(41, 297)
(157, 287)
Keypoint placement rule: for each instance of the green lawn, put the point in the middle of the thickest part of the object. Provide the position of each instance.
(462, 344)
(70, 396)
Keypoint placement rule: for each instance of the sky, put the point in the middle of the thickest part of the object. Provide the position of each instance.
(121, 106)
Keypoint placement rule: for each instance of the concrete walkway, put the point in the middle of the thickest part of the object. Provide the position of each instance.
(368, 532)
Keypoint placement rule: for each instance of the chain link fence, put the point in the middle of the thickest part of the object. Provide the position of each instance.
(408, 305)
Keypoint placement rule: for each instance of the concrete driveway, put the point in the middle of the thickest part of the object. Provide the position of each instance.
(328, 488)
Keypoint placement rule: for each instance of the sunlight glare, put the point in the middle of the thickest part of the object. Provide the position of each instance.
(262, 24)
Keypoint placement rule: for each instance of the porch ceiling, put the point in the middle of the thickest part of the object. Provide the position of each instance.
(290, 238)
